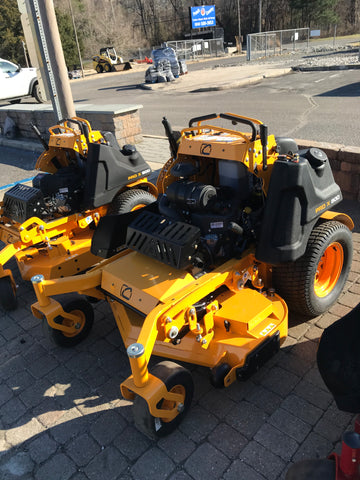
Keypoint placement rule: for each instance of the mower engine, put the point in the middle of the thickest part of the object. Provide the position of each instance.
(51, 195)
(199, 224)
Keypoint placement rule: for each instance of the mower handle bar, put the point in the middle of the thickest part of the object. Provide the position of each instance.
(82, 126)
(201, 119)
(227, 116)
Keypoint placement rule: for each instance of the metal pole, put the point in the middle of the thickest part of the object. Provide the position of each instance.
(248, 48)
(266, 44)
(25, 53)
(76, 38)
(308, 38)
(52, 55)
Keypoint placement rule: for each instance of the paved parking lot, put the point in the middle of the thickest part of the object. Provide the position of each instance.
(62, 415)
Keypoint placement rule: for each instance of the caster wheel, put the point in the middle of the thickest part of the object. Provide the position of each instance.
(80, 307)
(218, 374)
(178, 380)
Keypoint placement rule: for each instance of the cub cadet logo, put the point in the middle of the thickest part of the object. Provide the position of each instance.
(126, 292)
(205, 149)
(327, 204)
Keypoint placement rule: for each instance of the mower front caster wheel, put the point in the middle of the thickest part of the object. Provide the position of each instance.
(80, 307)
(8, 298)
(218, 374)
(177, 379)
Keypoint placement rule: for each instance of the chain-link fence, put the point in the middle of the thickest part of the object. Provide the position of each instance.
(277, 42)
(195, 49)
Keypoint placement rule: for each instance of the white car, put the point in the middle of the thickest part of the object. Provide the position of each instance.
(17, 82)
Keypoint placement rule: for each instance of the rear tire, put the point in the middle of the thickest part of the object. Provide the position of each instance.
(37, 93)
(314, 282)
(76, 305)
(99, 68)
(129, 201)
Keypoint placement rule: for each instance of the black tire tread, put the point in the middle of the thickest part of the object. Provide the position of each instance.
(124, 202)
(165, 371)
(292, 279)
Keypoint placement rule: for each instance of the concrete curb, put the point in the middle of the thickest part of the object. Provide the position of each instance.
(244, 82)
(226, 86)
(326, 69)
(21, 144)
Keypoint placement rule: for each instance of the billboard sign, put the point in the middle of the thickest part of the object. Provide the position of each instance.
(202, 17)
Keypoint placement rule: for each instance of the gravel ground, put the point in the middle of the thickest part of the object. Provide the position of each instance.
(324, 56)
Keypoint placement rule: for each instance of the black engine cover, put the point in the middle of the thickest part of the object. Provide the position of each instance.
(172, 243)
(22, 202)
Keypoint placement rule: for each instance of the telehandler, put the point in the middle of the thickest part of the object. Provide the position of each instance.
(241, 231)
(48, 226)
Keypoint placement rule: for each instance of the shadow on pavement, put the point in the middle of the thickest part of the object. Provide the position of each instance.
(351, 90)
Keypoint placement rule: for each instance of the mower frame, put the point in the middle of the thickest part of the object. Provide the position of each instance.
(244, 321)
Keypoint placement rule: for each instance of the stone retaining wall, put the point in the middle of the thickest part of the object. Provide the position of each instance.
(345, 165)
(122, 120)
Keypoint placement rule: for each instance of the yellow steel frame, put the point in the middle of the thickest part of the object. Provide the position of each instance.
(203, 345)
(57, 239)
(67, 141)
(241, 149)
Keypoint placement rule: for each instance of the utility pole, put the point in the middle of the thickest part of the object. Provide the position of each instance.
(52, 61)
(76, 38)
(239, 24)
(259, 16)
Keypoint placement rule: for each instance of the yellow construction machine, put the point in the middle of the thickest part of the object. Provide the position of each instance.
(109, 61)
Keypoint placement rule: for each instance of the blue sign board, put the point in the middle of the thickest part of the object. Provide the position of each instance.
(202, 17)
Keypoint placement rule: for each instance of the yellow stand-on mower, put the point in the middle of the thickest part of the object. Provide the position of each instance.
(48, 226)
(242, 229)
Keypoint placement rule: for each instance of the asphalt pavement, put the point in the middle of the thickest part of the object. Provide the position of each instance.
(62, 416)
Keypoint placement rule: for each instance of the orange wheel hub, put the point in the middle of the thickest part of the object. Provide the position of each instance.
(329, 269)
(141, 205)
(78, 326)
(169, 405)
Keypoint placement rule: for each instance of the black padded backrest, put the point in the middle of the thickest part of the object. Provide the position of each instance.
(338, 360)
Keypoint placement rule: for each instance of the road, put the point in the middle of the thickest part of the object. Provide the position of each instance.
(320, 106)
